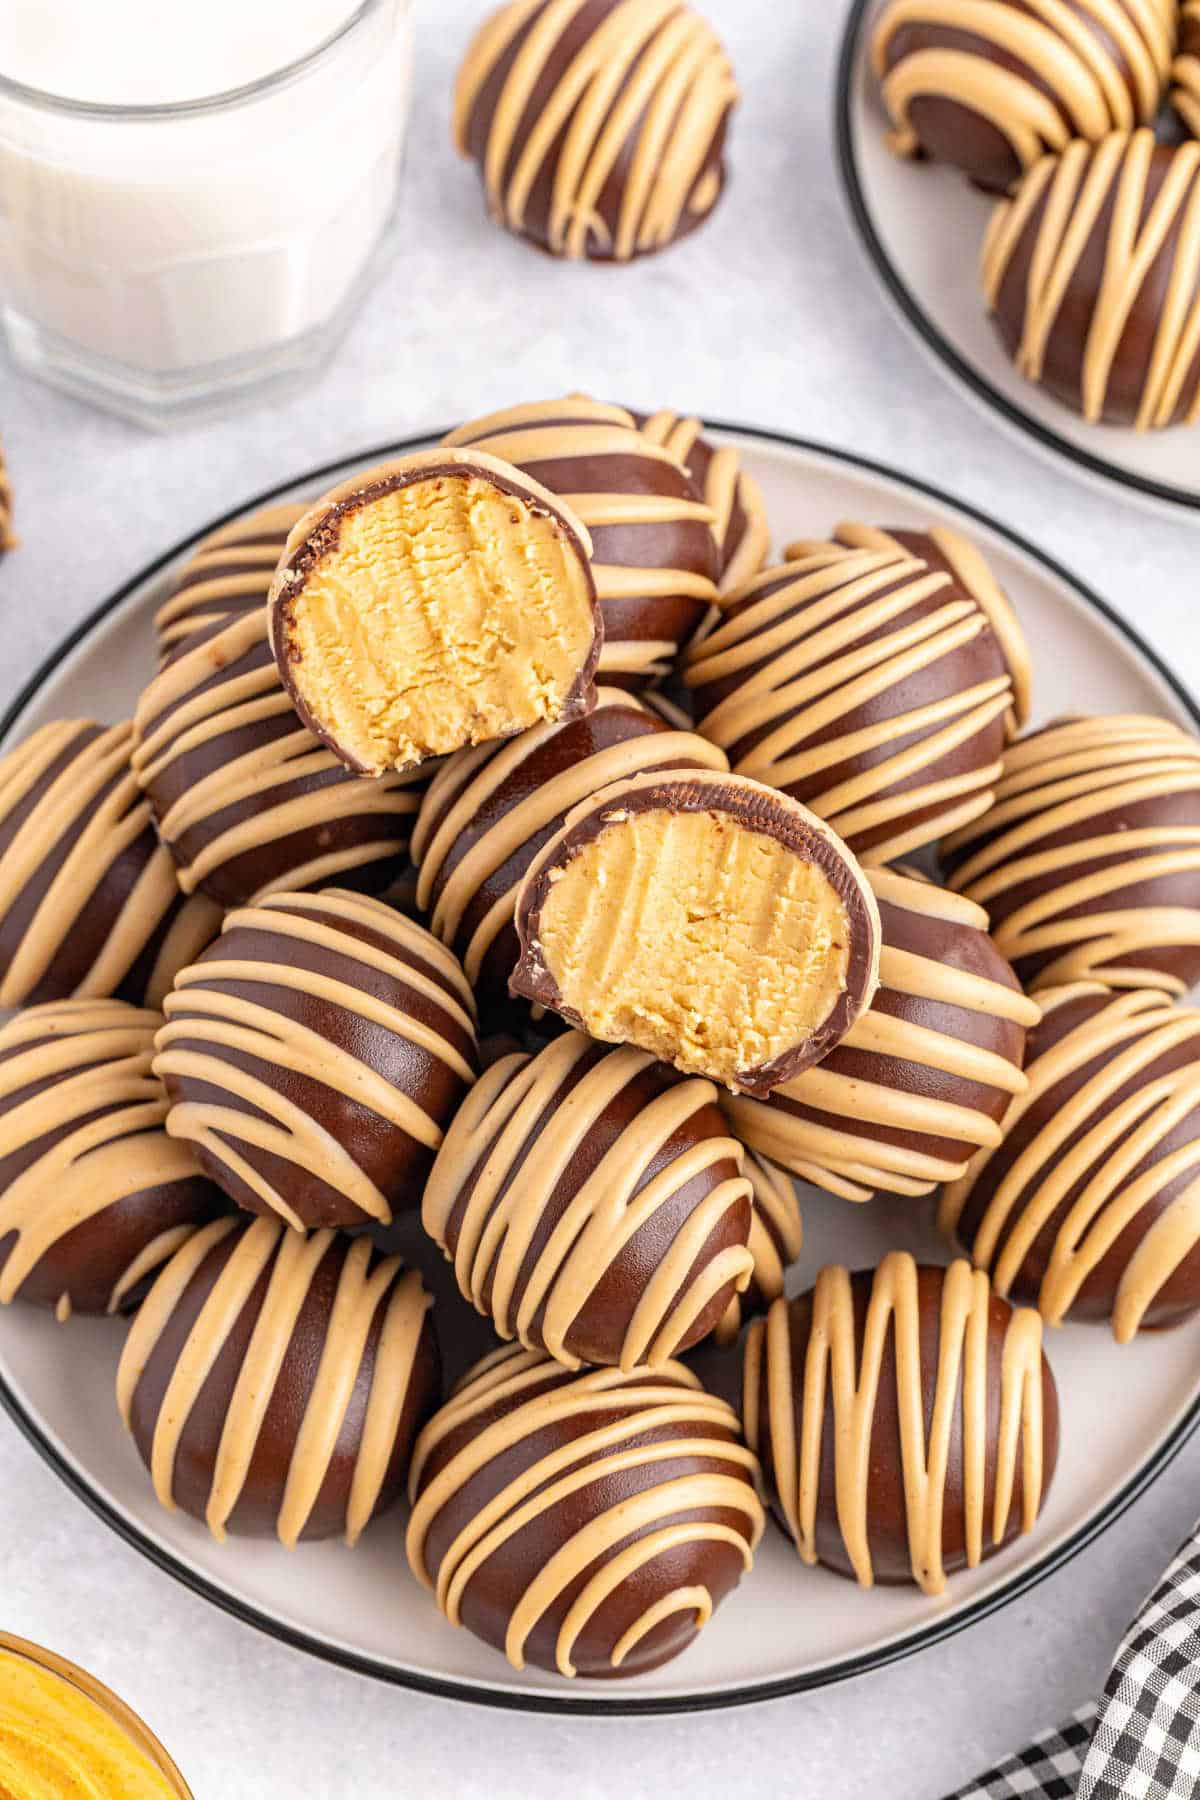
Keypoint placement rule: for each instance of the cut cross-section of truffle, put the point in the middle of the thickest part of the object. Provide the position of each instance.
(90, 903)
(1088, 864)
(598, 125)
(586, 1523)
(440, 600)
(924, 1077)
(990, 85)
(229, 572)
(1089, 1207)
(94, 1196)
(867, 683)
(315, 1054)
(1092, 275)
(593, 1204)
(740, 527)
(710, 920)
(245, 798)
(655, 556)
(489, 811)
(274, 1383)
(906, 1418)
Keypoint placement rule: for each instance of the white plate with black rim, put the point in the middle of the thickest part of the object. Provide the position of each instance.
(1125, 1411)
(922, 227)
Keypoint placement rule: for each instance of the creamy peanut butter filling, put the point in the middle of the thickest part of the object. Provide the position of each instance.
(444, 612)
(709, 944)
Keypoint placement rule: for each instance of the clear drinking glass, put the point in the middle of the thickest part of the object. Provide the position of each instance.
(127, 1722)
(157, 259)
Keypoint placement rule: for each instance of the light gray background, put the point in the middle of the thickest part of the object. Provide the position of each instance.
(770, 316)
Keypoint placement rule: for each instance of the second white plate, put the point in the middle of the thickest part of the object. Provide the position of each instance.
(922, 227)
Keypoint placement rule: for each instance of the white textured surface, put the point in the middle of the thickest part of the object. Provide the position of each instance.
(771, 316)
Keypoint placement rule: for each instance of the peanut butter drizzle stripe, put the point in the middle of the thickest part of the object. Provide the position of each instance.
(1185, 71)
(834, 1365)
(551, 800)
(359, 1294)
(97, 832)
(776, 1239)
(96, 1061)
(565, 1471)
(1076, 188)
(651, 74)
(1132, 1033)
(229, 566)
(1060, 48)
(509, 1194)
(726, 484)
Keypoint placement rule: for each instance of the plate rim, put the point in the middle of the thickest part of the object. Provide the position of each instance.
(962, 373)
(907, 1644)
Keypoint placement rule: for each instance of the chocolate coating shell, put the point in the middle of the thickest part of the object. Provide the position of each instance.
(865, 683)
(347, 1343)
(245, 798)
(89, 900)
(989, 90)
(593, 1204)
(654, 556)
(94, 1195)
(489, 812)
(924, 1077)
(1089, 863)
(740, 525)
(1099, 319)
(315, 1054)
(624, 1550)
(607, 183)
(1085, 1209)
(1005, 1360)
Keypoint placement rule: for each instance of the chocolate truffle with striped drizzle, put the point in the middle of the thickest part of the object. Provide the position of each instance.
(740, 527)
(925, 1077)
(438, 600)
(315, 1054)
(8, 539)
(587, 1524)
(1089, 863)
(906, 1418)
(866, 683)
(228, 573)
(89, 900)
(598, 125)
(710, 920)
(245, 798)
(1185, 72)
(489, 811)
(1090, 1206)
(274, 1383)
(654, 554)
(94, 1196)
(593, 1204)
(1092, 275)
(990, 88)
(776, 1240)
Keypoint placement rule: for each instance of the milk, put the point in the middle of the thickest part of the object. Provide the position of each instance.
(158, 244)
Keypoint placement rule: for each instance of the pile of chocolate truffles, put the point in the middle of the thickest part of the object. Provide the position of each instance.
(411, 940)
(1084, 116)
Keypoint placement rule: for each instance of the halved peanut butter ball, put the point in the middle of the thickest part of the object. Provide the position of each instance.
(440, 600)
(705, 918)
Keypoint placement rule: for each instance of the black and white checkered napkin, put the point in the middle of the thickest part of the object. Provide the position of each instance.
(1142, 1742)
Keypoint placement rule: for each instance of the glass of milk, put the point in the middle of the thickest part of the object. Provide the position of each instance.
(192, 197)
